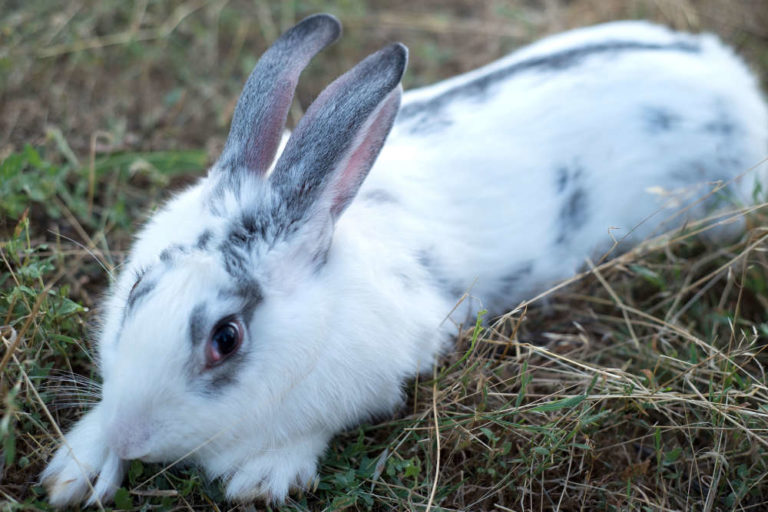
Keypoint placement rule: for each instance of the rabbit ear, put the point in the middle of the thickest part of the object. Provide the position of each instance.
(261, 111)
(337, 141)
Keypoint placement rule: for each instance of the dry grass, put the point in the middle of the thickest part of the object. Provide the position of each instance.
(640, 386)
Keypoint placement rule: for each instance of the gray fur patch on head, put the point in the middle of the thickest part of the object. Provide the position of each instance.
(203, 240)
(310, 185)
(142, 288)
(255, 229)
(235, 258)
(171, 252)
(478, 89)
(221, 380)
(214, 381)
(248, 293)
(198, 325)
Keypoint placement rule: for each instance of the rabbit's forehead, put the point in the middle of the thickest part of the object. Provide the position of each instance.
(180, 304)
(176, 284)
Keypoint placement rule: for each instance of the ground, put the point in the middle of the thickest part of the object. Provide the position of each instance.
(640, 386)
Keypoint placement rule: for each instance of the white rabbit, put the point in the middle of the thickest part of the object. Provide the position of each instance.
(260, 313)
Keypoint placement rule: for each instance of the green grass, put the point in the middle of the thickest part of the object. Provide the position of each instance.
(641, 386)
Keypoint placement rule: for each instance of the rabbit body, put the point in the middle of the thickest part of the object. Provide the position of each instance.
(497, 183)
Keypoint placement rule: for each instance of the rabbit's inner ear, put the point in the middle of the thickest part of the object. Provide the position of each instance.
(348, 179)
(261, 111)
(337, 141)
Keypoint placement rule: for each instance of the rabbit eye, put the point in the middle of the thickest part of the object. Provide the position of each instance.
(225, 340)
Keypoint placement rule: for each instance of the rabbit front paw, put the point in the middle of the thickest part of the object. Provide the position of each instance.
(83, 466)
(272, 473)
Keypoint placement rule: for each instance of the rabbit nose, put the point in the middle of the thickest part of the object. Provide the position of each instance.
(129, 440)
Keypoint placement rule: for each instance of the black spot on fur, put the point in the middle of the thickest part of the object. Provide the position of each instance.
(659, 119)
(569, 186)
(722, 126)
(235, 259)
(573, 215)
(562, 179)
(203, 239)
(169, 253)
(566, 175)
(425, 259)
(479, 88)
(251, 226)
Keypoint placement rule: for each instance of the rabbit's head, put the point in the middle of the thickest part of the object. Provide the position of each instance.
(223, 310)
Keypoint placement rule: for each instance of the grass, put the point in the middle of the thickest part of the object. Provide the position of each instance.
(639, 386)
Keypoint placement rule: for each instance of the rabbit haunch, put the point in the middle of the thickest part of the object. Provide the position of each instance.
(499, 182)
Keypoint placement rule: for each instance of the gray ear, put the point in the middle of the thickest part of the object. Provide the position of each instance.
(261, 111)
(337, 141)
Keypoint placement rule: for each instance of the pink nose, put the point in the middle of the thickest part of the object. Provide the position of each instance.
(129, 440)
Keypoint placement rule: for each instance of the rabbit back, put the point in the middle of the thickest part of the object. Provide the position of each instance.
(504, 180)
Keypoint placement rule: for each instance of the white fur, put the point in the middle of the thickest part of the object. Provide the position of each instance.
(479, 197)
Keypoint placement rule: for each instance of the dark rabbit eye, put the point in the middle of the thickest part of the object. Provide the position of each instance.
(225, 340)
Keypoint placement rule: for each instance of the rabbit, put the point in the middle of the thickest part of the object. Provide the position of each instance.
(281, 300)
